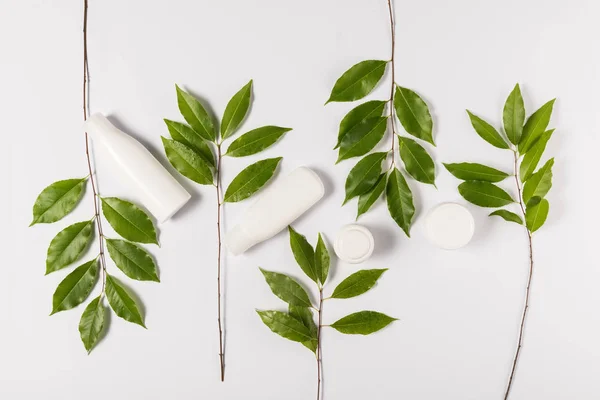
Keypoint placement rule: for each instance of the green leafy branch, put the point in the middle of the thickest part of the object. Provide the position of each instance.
(196, 151)
(365, 126)
(298, 324)
(527, 141)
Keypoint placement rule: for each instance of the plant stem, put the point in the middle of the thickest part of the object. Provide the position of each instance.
(86, 113)
(529, 279)
(393, 66)
(219, 306)
(319, 355)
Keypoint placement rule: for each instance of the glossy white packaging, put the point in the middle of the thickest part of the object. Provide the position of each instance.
(278, 206)
(158, 191)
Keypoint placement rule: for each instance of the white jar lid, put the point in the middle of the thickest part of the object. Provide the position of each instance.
(450, 226)
(354, 244)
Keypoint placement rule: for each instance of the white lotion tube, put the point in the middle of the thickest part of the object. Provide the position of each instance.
(159, 192)
(277, 207)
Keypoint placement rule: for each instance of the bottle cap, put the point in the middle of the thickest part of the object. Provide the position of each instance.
(449, 226)
(238, 241)
(354, 244)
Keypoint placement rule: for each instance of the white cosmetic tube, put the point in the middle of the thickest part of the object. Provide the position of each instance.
(159, 192)
(278, 206)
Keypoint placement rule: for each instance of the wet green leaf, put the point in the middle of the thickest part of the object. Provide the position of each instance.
(536, 215)
(128, 220)
(487, 132)
(475, 172)
(286, 288)
(364, 175)
(236, 111)
(185, 134)
(303, 253)
(357, 283)
(359, 114)
(366, 200)
(533, 156)
(57, 200)
(286, 326)
(255, 141)
(76, 287)
(508, 216)
(304, 315)
(92, 323)
(513, 116)
(122, 303)
(134, 261)
(413, 114)
(484, 194)
(195, 115)
(68, 245)
(535, 126)
(363, 138)
(251, 179)
(539, 184)
(322, 260)
(362, 323)
(358, 81)
(417, 161)
(188, 162)
(400, 200)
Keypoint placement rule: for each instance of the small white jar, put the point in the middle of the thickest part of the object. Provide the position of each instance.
(354, 244)
(449, 226)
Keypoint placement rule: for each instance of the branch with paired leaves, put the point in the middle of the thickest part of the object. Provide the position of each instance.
(298, 324)
(195, 150)
(527, 141)
(365, 126)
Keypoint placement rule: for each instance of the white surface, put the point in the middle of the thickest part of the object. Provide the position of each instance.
(354, 244)
(155, 187)
(450, 226)
(459, 311)
(275, 208)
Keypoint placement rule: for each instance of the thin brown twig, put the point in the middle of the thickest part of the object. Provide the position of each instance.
(393, 66)
(219, 306)
(96, 198)
(319, 355)
(527, 290)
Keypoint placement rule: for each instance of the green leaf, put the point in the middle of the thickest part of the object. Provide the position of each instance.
(357, 283)
(359, 114)
(195, 115)
(513, 116)
(358, 81)
(92, 323)
(128, 220)
(121, 302)
(285, 325)
(188, 162)
(484, 194)
(364, 175)
(185, 134)
(68, 245)
(57, 200)
(134, 261)
(255, 141)
(475, 172)
(322, 260)
(236, 111)
(413, 114)
(487, 132)
(362, 323)
(400, 200)
(508, 216)
(286, 288)
(533, 156)
(536, 215)
(250, 180)
(362, 138)
(366, 200)
(75, 288)
(535, 126)
(540, 183)
(304, 315)
(304, 254)
(417, 161)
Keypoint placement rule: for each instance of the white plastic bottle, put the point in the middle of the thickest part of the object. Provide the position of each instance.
(277, 207)
(159, 192)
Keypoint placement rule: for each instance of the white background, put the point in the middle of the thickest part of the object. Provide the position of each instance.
(458, 311)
